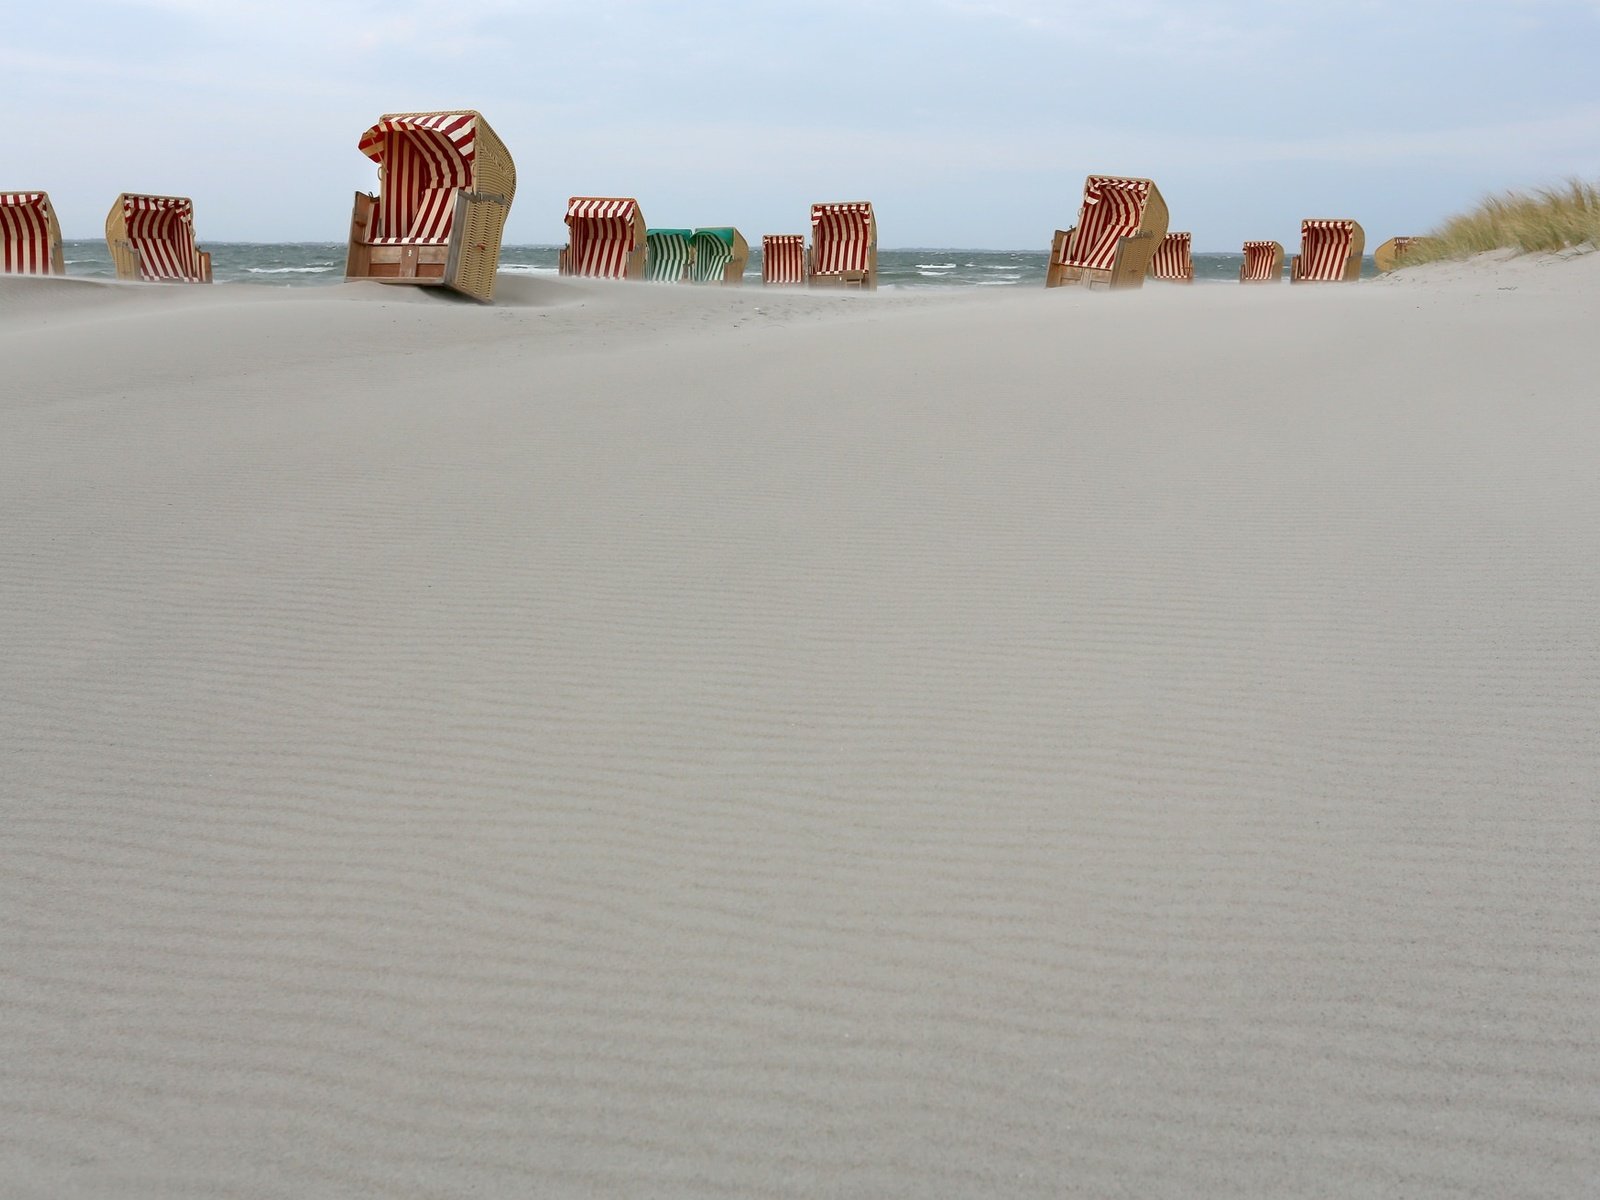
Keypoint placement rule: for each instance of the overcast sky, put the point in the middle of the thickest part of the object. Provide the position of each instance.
(968, 124)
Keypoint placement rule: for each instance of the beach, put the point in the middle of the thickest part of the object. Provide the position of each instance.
(679, 742)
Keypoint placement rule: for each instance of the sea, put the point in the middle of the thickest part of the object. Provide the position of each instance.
(309, 264)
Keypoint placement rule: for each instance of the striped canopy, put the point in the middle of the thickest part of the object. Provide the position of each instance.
(452, 134)
(841, 237)
(603, 235)
(1113, 208)
(783, 258)
(713, 251)
(424, 159)
(1172, 258)
(1325, 248)
(26, 244)
(601, 208)
(667, 254)
(161, 229)
(1262, 260)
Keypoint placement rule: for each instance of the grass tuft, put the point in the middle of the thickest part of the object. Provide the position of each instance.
(1545, 220)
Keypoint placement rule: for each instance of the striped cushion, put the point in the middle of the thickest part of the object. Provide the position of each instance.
(1325, 249)
(1112, 209)
(841, 237)
(161, 229)
(602, 235)
(1172, 258)
(666, 254)
(424, 161)
(783, 258)
(25, 242)
(1261, 261)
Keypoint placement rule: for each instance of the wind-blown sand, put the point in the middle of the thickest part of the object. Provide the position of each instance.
(637, 741)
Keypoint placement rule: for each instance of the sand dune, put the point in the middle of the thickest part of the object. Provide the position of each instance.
(656, 742)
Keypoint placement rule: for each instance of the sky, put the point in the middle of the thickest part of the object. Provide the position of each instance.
(967, 123)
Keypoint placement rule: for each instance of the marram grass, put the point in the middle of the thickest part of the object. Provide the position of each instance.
(1545, 220)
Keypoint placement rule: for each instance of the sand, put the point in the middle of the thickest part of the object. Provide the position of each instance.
(636, 741)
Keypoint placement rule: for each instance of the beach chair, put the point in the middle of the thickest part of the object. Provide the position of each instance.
(844, 245)
(30, 238)
(1120, 224)
(1263, 263)
(1172, 261)
(667, 255)
(783, 258)
(606, 237)
(151, 238)
(1393, 252)
(720, 256)
(445, 186)
(1330, 252)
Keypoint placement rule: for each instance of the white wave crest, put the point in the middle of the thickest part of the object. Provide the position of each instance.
(287, 270)
(936, 266)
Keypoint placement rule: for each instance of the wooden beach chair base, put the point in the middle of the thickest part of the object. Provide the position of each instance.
(859, 280)
(1128, 268)
(402, 264)
(465, 264)
(125, 259)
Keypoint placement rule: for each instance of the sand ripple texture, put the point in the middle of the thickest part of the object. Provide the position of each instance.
(635, 744)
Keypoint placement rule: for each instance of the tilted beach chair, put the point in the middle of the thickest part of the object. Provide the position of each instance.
(1172, 261)
(844, 245)
(1120, 224)
(445, 186)
(606, 237)
(151, 238)
(1393, 252)
(30, 238)
(720, 256)
(1330, 252)
(667, 255)
(783, 258)
(1263, 263)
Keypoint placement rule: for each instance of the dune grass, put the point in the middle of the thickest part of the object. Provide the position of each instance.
(1544, 220)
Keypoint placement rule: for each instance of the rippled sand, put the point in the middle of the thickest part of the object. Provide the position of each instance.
(654, 742)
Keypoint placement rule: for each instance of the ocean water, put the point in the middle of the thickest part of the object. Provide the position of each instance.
(306, 264)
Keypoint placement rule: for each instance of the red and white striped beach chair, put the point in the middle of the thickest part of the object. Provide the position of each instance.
(1263, 263)
(445, 186)
(844, 245)
(1330, 252)
(1393, 252)
(1172, 262)
(606, 238)
(151, 238)
(30, 238)
(1120, 224)
(783, 258)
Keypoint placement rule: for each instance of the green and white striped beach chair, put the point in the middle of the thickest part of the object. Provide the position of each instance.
(667, 255)
(720, 256)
